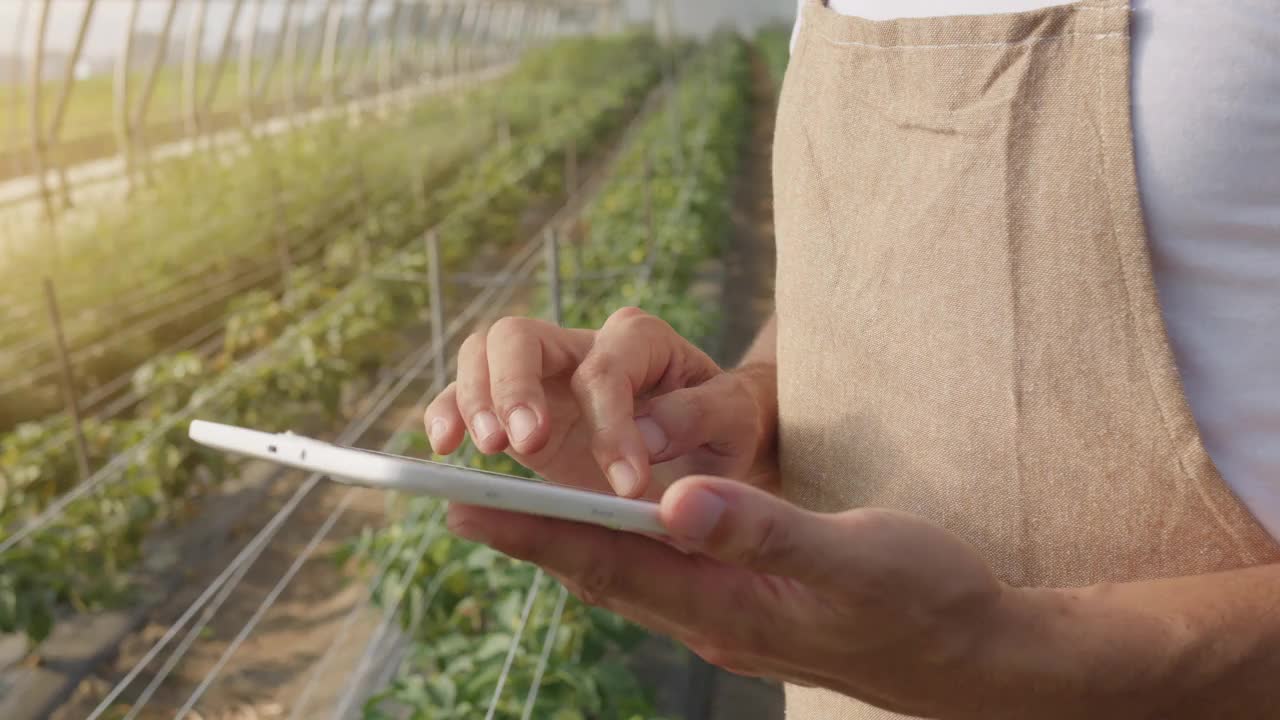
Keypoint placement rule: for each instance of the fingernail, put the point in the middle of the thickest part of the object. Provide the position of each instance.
(522, 423)
(438, 429)
(699, 514)
(654, 438)
(623, 478)
(485, 425)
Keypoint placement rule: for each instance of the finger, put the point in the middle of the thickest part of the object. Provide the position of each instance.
(719, 413)
(443, 421)
(680, 593)
(522, 352)
(631, 353)
(473, 396)
(750, 528)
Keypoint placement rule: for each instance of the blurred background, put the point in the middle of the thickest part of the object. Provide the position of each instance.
(287, 214)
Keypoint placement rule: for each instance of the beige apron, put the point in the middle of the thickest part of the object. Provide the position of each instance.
(968, 326)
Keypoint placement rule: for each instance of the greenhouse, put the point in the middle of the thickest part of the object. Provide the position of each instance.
(639, 359)
(287, 215)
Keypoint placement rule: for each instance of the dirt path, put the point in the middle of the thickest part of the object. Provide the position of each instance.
(270, 669)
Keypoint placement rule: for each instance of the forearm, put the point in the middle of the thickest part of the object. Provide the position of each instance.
(1190, 647)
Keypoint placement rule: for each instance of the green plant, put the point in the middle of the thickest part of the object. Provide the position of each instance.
(459, 601)
(308, 347)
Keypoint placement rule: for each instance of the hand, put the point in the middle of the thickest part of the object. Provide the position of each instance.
(599, 409)
(875, 604)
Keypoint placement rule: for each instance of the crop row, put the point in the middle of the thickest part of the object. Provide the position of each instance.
(292, 363)
(463, 605)
(205, 229)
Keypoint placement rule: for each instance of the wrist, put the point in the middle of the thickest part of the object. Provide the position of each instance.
(1077, 652)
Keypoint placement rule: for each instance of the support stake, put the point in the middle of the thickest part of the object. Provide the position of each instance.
(68, 382)
(553, 276)
(435, 273)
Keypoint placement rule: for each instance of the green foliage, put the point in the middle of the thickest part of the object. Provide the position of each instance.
(774, 43)
(460, 601)
(310, 347)
(330, 193)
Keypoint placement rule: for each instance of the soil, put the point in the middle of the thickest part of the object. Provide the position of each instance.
(268, 672)
(265, 675)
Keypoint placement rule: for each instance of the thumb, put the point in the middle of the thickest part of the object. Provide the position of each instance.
(740, 525)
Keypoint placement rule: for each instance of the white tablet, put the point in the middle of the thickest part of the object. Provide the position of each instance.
(473, 487)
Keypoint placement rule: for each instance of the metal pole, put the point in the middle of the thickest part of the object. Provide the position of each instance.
(124, 132)
(15, 87)
(358, 65)
(388, 51)
(318, 57)
(37, 122)
(220, 65)
(651, 233)
(571, 166)
(191, 70)
(329, 55)
(435, 276)
(449, 41)
(68, 383)
(68, 83)
(245, 73)
(263, 89)
(138, 127)
(290, 50)
(553, 276)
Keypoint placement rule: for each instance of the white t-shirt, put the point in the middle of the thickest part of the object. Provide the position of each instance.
(1206, 116)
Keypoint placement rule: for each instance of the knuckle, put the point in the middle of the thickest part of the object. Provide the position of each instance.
(510, 326)
(509, 391)
(596, 583)
(766, 542)
(596, 370)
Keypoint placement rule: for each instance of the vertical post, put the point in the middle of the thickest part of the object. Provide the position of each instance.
(329, 55)
(68, 83)
(262, 91)
(248, 46)
(15, 88)
(555, 303)
(279, 231)
(68, 383)
(435, 276)
(124, 125)
(386, 54)
(578, 238)
(359, 57)
(137, 126)
(289, 51)
(466, 16)
(651, 231)
(220, 65)
(571, 167)
(37, 122)
(191, 70)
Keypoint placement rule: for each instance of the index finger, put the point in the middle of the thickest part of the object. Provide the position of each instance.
(522, 353)
(631, 353)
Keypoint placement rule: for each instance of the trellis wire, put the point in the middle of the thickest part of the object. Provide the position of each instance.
(116, 465)
(240, 563)
(284, 581)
